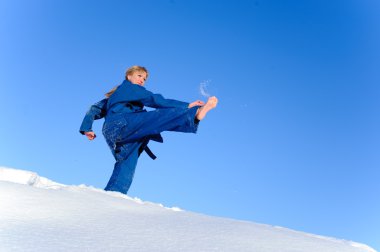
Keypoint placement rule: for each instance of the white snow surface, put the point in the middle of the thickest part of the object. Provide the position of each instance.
(37, 214)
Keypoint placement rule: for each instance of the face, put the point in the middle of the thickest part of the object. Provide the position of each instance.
(138, 78)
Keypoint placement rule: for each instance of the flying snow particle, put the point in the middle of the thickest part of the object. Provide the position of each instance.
(203, 86)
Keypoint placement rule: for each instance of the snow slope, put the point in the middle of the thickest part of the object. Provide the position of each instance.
(37, 214)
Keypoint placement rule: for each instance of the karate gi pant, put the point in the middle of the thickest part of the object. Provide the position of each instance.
(128, 134)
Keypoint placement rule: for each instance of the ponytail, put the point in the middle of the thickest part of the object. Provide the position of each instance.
(111, 92)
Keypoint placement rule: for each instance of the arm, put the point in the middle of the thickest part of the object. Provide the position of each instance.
(158, 101)
(128, 92)
(152, 100)
(96, 111)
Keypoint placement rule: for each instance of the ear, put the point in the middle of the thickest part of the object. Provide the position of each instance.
(129, 77)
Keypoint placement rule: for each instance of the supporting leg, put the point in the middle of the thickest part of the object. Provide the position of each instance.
(124, 169)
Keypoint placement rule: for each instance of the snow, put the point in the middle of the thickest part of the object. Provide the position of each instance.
(203, 86)
(37, 214)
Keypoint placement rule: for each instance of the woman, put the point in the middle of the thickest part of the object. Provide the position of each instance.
(128, 127)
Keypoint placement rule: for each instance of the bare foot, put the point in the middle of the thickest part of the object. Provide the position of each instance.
(211, 103)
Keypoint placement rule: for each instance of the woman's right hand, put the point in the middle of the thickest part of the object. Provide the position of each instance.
(90, 135)
(196, 103)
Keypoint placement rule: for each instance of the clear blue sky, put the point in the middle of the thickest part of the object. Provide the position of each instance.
(294, 141)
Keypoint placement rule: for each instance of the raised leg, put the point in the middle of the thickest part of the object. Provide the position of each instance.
(202, 111)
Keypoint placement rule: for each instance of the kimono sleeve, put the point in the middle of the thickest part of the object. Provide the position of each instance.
(96, 111)
(152, 100)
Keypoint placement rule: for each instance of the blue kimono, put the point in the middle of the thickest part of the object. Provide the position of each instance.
(128, 127)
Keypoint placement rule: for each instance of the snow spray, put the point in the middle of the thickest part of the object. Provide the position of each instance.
(203, 88)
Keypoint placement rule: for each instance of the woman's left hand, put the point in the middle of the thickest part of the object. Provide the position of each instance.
(196, 103)
(90, 135)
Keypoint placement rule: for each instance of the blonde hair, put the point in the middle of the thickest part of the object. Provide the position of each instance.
(129, 71)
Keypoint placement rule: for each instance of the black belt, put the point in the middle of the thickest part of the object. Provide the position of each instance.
(149, 152)
(144, 145)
